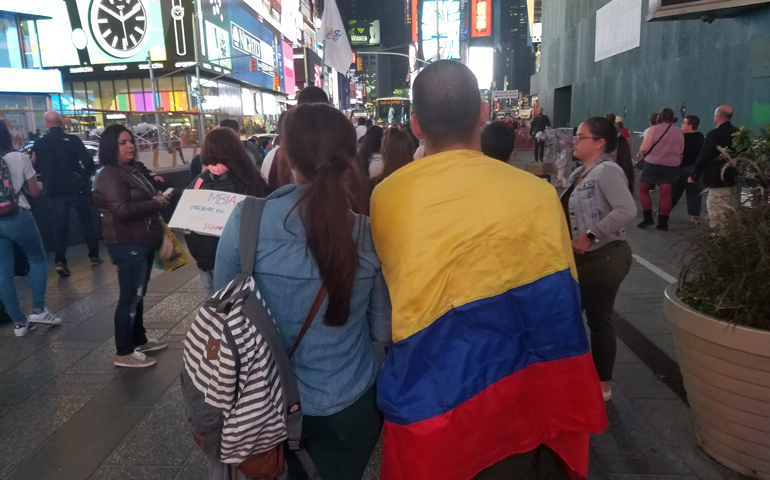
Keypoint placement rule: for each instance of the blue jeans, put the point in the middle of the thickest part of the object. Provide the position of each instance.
(22, 229)
(134, 262)
(60, 217)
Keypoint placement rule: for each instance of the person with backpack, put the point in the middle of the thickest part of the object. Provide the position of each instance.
(226, 168)
(130, 208)
(312, 250)
(18, 226)
(65, 168)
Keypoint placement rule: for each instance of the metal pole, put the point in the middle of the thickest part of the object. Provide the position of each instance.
(155, 103)
(438, 34)
(198, 76)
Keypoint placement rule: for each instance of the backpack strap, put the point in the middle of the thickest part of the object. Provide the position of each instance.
(251, 216)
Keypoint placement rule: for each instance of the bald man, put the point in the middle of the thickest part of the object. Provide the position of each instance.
(708, 168)
(65, 168)
(490, 375)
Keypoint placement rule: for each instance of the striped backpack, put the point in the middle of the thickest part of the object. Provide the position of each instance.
(240, 394)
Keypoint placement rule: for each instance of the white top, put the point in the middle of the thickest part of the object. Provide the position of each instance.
(376, 166)
(268, 162)
(360, 131)
(21, 170)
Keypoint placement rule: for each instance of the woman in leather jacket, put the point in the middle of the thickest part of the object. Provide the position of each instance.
(129, 207)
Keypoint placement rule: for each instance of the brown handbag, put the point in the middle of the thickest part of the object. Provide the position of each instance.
(271, 464)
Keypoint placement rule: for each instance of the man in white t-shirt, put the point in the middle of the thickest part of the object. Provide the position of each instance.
(361, 128)
(20, 228)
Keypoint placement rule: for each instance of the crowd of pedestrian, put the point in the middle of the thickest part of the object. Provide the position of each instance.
(464, 268)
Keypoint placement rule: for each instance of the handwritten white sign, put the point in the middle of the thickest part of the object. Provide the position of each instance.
(204, 211)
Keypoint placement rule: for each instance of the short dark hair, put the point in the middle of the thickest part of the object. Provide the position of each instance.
(312, 94)
(361, 121)
(108, 144)
(447, 101)
(6, 140)
(497, 140)
(654, 118)
(231, 124)
(666, 115)
(693, 120)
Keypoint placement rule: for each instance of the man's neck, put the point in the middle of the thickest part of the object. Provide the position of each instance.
(721, 122)
(432, 149)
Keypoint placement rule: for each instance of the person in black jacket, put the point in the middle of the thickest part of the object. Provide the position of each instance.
(693, 143)
(708, 167)
(539, 124)
(66, 169)
(226, 168)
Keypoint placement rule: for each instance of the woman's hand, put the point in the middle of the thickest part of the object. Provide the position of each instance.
(580, 244)
(162, 199)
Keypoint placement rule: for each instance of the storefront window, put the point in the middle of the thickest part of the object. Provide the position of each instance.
(30, 46)
(10, 50)
(107, 97)
(92, 92)
(165, 85)
(137, 97)
(121, 96)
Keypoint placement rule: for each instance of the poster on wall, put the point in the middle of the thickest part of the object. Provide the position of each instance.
(115, 35)
(618, 28)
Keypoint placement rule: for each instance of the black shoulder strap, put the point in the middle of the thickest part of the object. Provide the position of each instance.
(251, 218)
(658, 140)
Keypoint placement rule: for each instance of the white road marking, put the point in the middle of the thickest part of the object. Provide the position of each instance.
(657, 271)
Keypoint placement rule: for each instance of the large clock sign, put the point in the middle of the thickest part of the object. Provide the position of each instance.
(120, 27)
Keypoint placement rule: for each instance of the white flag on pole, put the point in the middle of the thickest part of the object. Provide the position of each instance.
(337, 51)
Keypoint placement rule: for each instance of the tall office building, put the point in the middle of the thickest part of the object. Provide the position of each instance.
(513, 55)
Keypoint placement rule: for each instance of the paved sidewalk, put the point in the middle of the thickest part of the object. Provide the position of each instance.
(67, 413)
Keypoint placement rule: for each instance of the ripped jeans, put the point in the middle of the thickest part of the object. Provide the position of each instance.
(134, 262)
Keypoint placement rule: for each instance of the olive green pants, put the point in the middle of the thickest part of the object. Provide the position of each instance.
(340, 444)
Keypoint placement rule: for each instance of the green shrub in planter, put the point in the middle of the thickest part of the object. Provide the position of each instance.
(727, 275)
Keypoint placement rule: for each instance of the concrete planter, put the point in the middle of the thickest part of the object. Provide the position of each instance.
(726, 372)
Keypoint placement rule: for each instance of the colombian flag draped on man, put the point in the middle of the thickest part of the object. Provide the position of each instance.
(490, 356)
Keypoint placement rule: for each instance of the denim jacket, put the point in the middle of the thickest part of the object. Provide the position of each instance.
(601, 202)
(334, 366)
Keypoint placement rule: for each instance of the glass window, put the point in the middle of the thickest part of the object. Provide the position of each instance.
(107, 97)
(92, 92)
(10, 50)
(79, 94)
(135, 85)
(121, 95)
(30, 46)
(164, 85)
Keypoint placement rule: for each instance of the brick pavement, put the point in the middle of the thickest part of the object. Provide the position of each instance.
(67, 413)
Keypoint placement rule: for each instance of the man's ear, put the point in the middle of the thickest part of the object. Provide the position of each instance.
(484, 114)
(416, 128)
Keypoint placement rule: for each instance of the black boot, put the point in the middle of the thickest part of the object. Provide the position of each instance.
(662, 223)
(648, 220)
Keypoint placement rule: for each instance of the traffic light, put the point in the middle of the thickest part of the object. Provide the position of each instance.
(252, 65)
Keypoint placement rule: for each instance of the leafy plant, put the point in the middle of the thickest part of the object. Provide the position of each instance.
(727, 275)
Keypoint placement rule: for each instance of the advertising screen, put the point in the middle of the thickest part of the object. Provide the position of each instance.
(441, 29)
(233, 37)
(363, 32)
(289, 82)
(481, 18)
(97, 34)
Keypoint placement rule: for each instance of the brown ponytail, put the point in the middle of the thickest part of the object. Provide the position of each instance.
(321, 144)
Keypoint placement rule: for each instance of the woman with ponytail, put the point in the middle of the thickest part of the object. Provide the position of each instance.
(310, 236)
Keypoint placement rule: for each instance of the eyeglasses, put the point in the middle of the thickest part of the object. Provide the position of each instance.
(580, 138)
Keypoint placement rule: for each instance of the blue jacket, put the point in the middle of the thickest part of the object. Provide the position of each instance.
(334, 366)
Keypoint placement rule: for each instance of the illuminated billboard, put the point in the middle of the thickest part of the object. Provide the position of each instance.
(480, 60)
(441, 29)
(481, 18)
(88, 33)
(364, 32)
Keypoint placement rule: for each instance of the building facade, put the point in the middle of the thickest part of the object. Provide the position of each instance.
(24, 84)
(600, 56)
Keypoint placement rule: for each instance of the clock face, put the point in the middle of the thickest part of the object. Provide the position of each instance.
(120, 27)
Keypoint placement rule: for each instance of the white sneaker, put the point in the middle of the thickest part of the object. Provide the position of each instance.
(21, 330)
(606, 391)
(134, 360)
(44, 317)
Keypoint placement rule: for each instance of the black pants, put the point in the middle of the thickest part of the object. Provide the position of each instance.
(134, 262)
(538, 464)
(60, 215)
(340, 444)
(539, 149)
(600, 274)
(692, 189)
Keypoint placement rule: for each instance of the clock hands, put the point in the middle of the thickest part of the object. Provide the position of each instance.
(133, 12)
(118, 16)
